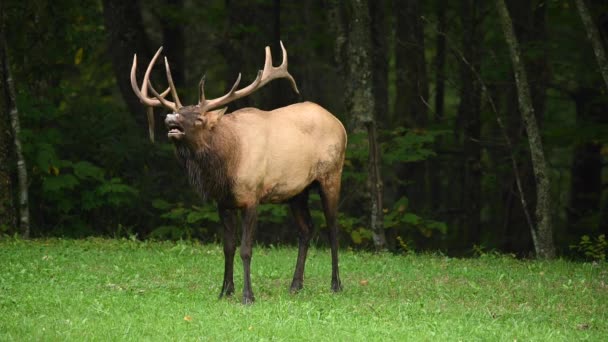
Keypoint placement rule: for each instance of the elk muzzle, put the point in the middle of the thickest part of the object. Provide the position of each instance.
(175, 128)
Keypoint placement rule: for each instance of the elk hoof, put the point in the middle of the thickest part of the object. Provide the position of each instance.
(295, 287)
(226, 293)
(336, 286)
(248, 300)
(227, 290)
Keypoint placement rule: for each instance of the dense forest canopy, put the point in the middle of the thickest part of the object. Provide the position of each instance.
(439, 154)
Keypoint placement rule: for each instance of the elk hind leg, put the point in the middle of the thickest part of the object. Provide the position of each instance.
(301, 215)
(249, 218)
(329, 187)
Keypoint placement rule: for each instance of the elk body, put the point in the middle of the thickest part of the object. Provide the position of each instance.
(251, 156)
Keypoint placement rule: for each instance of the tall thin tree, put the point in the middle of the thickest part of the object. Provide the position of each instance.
(126, 36)
(412, 95)
(542, 235)
(469, 125)
(354, 52)
(7, 210)
(23, 204)
(594, 37)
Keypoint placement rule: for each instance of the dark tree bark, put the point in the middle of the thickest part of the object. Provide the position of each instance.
(361, 105)
(173, 38)
(586, 170)
(440, 58)
(353, 51)
(126, 36)
(594, 37)
(279, 94)
(411, 102)
(586, 214)
(412, 83)
(529, 23)
(469, 122)
(316, 74)
(435, 170)
(543, 234)
(8, 217)
(379, 36)
(237, 45)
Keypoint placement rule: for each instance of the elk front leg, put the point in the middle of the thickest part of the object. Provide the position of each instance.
(301, 214)
(249, 216)
(229, 221)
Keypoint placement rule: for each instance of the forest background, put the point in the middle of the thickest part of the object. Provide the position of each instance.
(439, 154)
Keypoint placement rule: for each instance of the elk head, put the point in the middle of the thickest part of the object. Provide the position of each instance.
(187, 122)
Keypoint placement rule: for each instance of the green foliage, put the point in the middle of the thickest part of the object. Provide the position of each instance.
(272, 213)
(399, 145)
(409, 145)
(355, 228)
(356, 158)
(399, 216)
(183, 222)
(592, 248)
(78, 189)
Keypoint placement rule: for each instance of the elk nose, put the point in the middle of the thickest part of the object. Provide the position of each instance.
(171, 118)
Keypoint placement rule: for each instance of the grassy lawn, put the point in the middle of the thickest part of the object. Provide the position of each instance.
(125, 290)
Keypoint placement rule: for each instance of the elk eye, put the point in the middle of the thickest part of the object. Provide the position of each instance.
(199, 122)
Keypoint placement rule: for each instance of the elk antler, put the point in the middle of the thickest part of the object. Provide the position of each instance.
(142, 92)
(264, 76)
(160, 100)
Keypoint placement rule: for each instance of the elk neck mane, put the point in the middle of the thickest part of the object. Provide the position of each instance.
(208, 165)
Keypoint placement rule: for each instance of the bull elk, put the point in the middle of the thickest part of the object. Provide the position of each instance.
(250, 156)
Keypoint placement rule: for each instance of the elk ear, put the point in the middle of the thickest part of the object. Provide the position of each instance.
(214, 116)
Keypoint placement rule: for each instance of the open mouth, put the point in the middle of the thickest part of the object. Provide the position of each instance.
(175, 131)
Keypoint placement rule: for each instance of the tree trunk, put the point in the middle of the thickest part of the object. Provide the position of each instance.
(279, 94)
(126, 36)
(375, 187)
(412, 83)
(469, 122)
(24, 211)
(8, 219)
(512, 221)
(361, 105)
(440, 61)
(411, 103)
(594, 36)
(543, 234)
(436, 175)
(379, 34)
(586, 170)
(173, 38)
(237, 44)
(353, 51)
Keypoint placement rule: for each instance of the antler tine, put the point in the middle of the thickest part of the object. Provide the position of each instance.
(150, 114)
(264, 76)
(271, 73)
(172, 86)
(142, 93)
(284, 63)
(267, 63)
(168, 104)
(201, 86)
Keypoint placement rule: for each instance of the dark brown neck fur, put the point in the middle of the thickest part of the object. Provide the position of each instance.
(209, 164)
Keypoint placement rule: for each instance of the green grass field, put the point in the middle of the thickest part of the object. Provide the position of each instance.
(126, 290)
